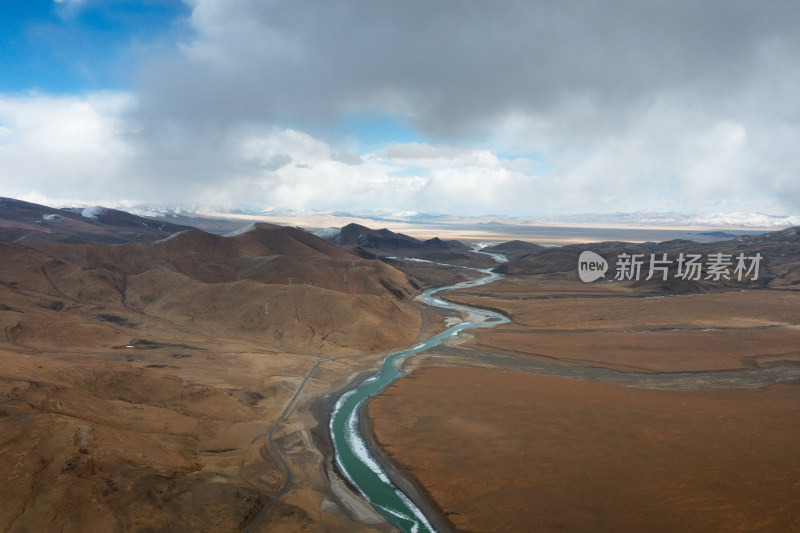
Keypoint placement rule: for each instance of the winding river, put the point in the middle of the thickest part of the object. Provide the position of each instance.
(355, 461)
(352, 455)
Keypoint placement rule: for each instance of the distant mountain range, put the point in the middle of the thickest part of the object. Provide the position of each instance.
(734, 219)
(25, 222)
(779, 266)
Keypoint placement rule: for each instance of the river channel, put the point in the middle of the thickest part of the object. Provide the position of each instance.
(353, 458)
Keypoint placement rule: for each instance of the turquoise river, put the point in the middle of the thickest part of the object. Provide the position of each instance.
(353, 458)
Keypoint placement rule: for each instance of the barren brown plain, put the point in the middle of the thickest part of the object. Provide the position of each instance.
(501, 447)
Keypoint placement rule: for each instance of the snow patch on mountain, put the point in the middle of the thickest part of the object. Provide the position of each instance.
(734, 219)
(92, 212)
(245, 229)
(329, 234)
(159, 212)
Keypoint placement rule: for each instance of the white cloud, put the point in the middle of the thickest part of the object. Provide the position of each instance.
(68, 8)
(89, 150)
(69, 145)
(601, 112)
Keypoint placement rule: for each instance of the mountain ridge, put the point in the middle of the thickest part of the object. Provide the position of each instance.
(194, 278)
(25, 222)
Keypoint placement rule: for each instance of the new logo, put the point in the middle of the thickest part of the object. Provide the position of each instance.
(591, 266)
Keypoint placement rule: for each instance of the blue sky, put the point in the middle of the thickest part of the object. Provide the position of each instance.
(517, 108)
(375, 131)
(72, 47)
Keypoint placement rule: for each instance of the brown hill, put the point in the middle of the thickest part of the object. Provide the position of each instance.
(270, 284)
(356, 235)
(779, 266)
(25, 222)
(367, 242)
(140, 381)
(515, 248)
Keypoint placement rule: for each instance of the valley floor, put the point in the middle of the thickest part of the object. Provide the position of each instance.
(602, 408)
(599, 406)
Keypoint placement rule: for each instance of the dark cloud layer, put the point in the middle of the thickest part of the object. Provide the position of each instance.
(527, 106)
(453, 66)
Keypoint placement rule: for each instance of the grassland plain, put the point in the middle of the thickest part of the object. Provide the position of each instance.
(593, 409)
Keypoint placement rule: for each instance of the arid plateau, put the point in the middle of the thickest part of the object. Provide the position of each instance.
(170, 379)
